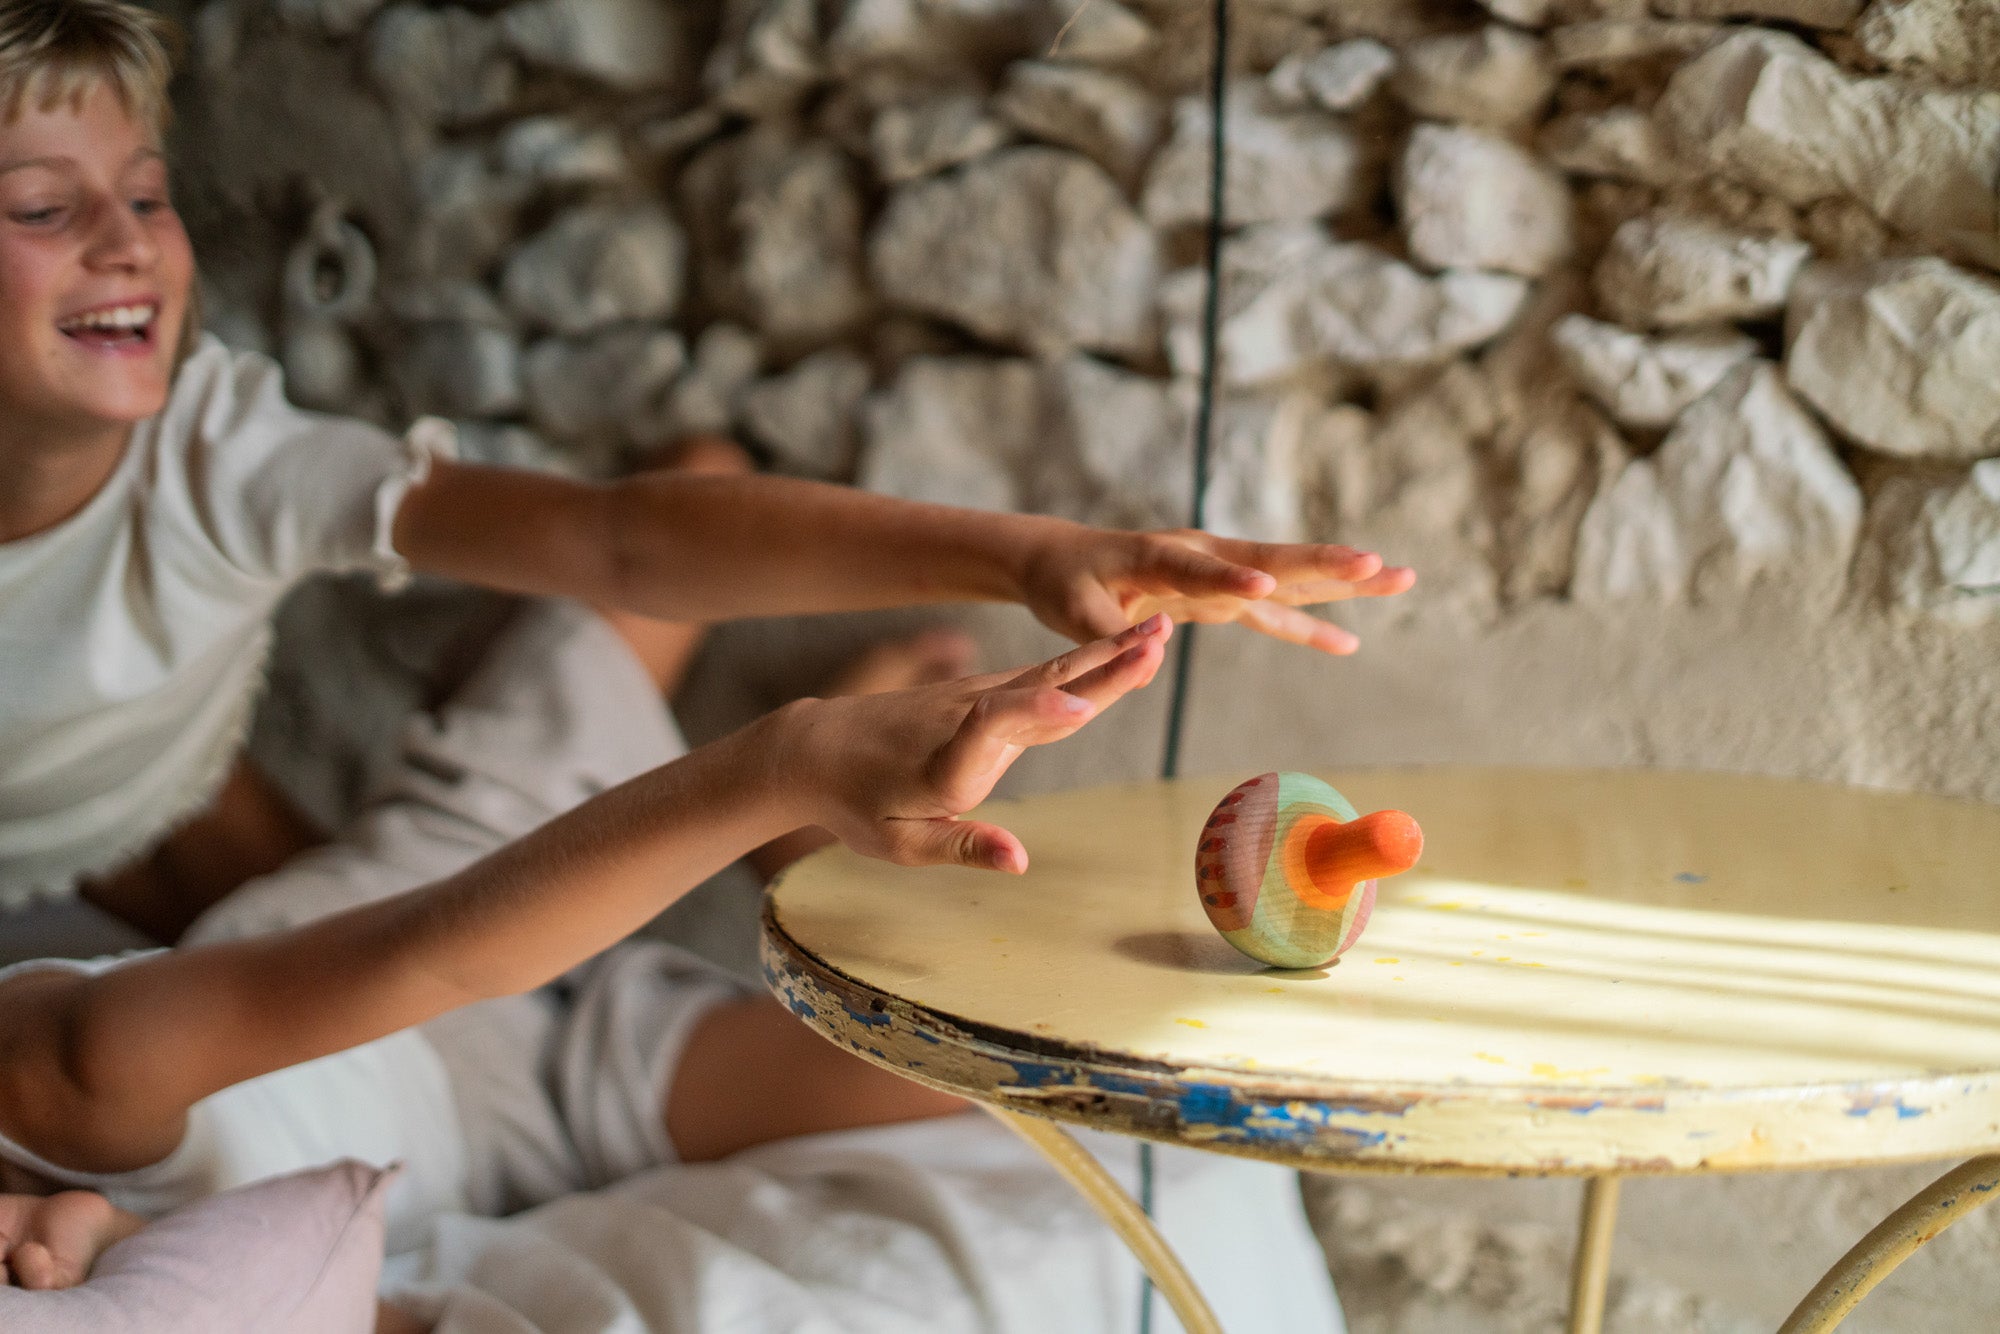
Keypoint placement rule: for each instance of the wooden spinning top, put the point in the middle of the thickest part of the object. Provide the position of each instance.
(1287, 871)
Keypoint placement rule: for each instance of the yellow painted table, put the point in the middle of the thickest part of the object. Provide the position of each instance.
(1591, 973)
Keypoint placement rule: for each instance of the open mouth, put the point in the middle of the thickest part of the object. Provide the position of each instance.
(114, 328)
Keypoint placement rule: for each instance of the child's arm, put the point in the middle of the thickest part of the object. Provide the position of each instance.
(97, 1072)
(705, 548)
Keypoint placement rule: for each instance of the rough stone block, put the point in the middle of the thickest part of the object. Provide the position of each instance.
(557, 150)
(1613, 41)
(595, 265)
(1130, 435)
(1473, 200)
(954, 430)
(1102, 30)
(1496, 76)
(767, 59)
(1339, 77)
(1107, 117)
(1957, 41)
(1902, 356)
(1417, 484)
(1030, 246)
(919, 138)
(613, 381)
(1745, 488)
(1295, 300)
(705, 399)
(1646, 382)
(1833, 14)
(441, 66)
(799, 220)
(1666, 270)
(1765, 109)
(336, 18)
(1941, 543)
(629, 45)
(809, 415)
(462, 370)
(1622, 143)
(1283, 165)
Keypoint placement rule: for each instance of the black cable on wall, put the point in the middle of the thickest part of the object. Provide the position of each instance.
(1204, 434)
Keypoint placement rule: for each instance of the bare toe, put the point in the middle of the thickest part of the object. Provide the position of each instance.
(925, 658)
(37, 1269)
(70, 1232)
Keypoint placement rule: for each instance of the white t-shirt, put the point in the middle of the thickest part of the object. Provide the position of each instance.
(389, 1101)
(133, 634)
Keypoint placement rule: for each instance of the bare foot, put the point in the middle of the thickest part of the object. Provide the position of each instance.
(925, 658)
(51, 1241)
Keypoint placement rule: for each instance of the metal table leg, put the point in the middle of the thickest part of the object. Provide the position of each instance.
(1591, 1269)
(1928, 1212)
(1116, 1208)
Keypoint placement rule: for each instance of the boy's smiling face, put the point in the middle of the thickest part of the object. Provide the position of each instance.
(95, 269)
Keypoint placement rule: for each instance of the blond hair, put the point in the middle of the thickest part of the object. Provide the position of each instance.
(56, 51)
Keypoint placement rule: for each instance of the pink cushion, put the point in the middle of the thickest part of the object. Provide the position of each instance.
(299, 1254)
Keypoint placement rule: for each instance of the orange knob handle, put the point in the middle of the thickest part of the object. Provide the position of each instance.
(1339, 856)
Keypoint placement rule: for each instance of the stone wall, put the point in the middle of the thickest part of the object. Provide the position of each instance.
(1663, 337)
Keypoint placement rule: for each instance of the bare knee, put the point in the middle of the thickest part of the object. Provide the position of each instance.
(753, 1073)
(708, 456)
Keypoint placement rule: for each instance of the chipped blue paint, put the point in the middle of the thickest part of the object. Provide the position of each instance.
(870, 1018)
(1209, 1106)
(1691, 878)
(1903, 1110)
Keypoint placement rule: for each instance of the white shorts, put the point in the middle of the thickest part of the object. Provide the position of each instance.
(563, 1089)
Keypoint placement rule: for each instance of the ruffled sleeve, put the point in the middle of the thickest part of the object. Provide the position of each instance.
(278, 492)
(427, 440)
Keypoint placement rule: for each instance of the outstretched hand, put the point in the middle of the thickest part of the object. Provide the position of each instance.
(894, 771)
(1090, 582)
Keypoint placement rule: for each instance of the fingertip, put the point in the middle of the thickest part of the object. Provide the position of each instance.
(1008, 856)
(1335, 640)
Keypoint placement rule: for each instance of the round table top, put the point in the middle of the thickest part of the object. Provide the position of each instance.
(1588, 971)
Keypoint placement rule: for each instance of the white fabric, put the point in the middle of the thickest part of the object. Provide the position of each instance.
(133, 634)
(503, 1104)
(380, 1104)
(952, 1226)
(297, 1255)
(562, 1090)
(550, 1093)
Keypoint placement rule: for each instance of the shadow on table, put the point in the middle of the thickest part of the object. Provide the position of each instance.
(1201, 952)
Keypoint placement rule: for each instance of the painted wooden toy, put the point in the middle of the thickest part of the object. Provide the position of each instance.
(1287, 871)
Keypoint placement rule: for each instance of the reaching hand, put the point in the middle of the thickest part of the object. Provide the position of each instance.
(895, 771)
(1088, 582)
